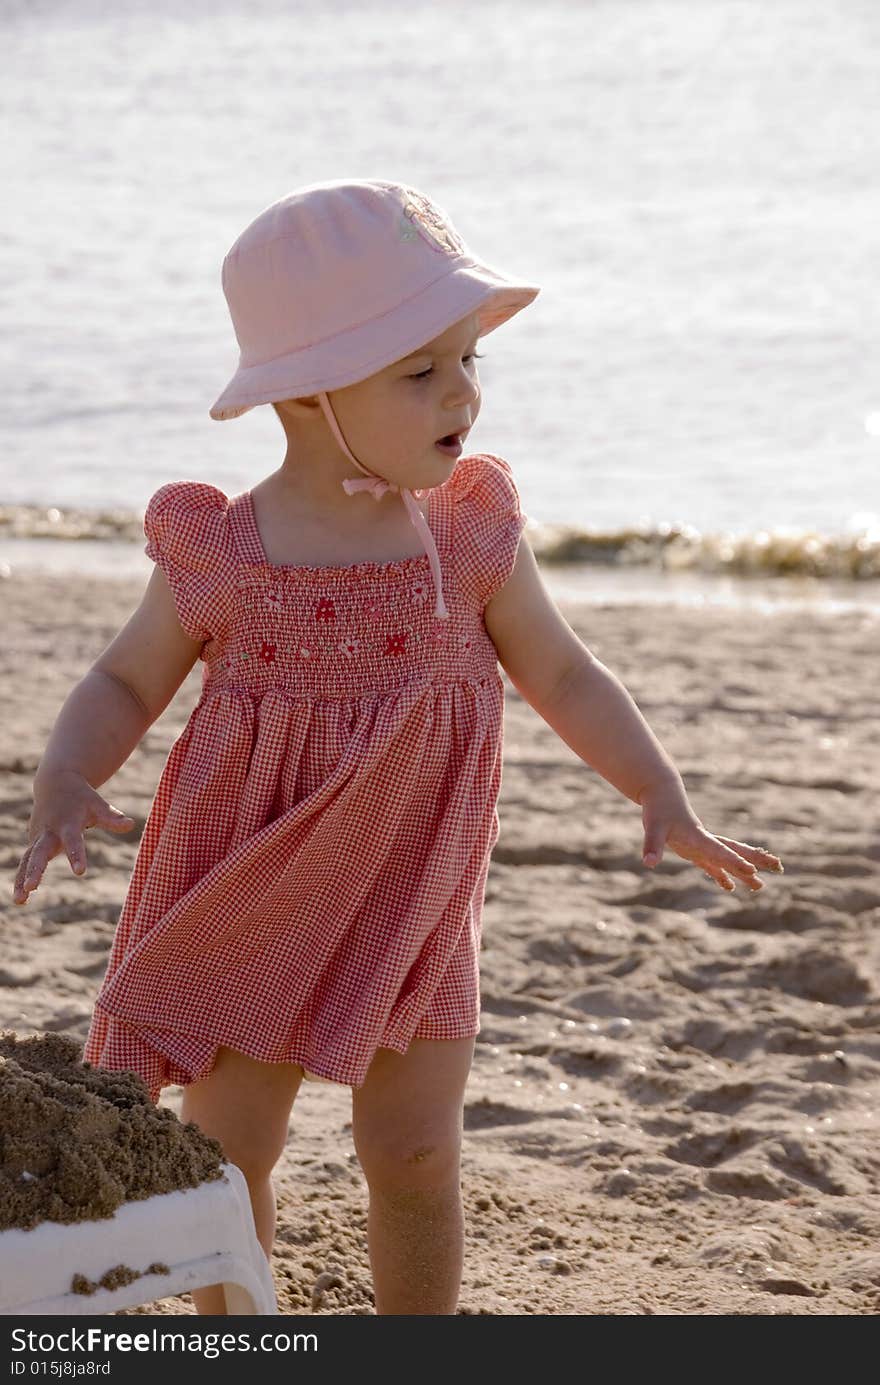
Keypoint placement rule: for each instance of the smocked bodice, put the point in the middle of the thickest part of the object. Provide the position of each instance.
(367, 628)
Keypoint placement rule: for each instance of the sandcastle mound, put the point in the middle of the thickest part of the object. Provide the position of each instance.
(77, 1141)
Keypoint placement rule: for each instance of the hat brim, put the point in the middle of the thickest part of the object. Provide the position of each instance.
(354, 355)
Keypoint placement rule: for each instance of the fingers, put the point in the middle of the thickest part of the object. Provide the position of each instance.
(723, 879)
(736, 865)
(758, 855)
(33, 863)
(68, 838)
(76, 851)
(19, 894)
(40, 853)
(722, 859)
(744, 861)
(105, 815)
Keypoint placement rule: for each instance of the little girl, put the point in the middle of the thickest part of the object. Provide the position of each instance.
(307, 894)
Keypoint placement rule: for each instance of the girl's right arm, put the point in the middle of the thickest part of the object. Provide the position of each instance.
(102, 720)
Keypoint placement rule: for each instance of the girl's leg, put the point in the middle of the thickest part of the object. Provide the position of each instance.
(246, 1105)
(407, 1125)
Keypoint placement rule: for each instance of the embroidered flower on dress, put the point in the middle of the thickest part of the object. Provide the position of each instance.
(465, 642)
(273, 599)
(419, 592)
(439, 635)
(304, 653)
(350, 647)
(373, 611)
(396, 644)
(267, 652)
(325, 610)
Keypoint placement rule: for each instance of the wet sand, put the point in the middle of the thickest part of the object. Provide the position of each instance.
(675, 1098)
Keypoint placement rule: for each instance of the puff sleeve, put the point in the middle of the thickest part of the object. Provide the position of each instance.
(186, 524)
(488, 524)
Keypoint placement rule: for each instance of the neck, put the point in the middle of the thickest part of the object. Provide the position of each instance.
(314, 469)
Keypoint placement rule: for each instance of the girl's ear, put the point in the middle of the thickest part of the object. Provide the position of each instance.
(307, 407)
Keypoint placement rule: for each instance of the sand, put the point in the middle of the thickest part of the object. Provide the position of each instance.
(675, 1098)
(76, 1141)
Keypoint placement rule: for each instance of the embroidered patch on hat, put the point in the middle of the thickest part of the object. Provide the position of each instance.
(422, 217)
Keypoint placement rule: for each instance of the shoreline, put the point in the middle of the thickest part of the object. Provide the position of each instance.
(572, 584)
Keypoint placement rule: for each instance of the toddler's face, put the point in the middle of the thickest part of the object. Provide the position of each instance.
(394, 421)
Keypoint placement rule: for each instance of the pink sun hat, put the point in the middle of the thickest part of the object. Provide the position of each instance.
(337, 280)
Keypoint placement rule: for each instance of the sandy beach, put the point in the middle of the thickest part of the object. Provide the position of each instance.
(675, 1100)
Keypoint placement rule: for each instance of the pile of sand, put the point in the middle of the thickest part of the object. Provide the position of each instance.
(77, 1141)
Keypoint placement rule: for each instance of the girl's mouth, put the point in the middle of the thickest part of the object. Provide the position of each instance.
(451, 445)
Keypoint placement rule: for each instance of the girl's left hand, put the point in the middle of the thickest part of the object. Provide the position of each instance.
(669, 820)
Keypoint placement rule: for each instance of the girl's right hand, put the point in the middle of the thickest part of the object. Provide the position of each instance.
(65, 804)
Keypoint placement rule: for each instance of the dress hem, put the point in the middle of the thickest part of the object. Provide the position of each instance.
(311, 1072)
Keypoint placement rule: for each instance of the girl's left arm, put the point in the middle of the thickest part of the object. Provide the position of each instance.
(591, 710)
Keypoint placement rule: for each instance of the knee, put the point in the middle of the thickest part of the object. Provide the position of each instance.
(397, 1161)
(254, 1151)
(255, 1163)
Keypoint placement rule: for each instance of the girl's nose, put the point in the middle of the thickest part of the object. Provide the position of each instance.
(466, 392)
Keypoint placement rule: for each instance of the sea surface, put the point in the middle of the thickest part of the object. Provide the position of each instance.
(692, 404)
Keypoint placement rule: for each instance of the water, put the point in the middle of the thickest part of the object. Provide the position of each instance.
(692, 184)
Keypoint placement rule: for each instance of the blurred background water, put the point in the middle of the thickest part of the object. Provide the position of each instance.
(696, 391)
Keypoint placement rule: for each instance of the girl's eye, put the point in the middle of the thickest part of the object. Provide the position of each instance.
(424, 374)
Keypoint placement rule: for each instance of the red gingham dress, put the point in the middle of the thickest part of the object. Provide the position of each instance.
(309, 884)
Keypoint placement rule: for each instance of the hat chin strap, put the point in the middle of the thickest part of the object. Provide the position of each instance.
(377, 486)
